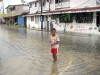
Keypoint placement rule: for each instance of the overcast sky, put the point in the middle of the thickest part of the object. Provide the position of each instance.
(11, 2)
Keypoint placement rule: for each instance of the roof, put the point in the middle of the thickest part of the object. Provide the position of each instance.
(9, 6)
(33, 1)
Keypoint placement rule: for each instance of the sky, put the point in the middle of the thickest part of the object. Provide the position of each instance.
(11, 2)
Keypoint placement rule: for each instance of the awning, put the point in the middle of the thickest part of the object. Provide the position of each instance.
(10, 16)
(28, 15)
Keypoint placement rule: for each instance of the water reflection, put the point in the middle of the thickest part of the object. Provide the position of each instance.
(22, 33)
(0, 65)
(54, 69)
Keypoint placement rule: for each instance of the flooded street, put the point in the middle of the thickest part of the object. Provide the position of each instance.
(27, 52)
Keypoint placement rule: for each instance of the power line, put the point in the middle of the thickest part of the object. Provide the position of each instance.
(83, 3)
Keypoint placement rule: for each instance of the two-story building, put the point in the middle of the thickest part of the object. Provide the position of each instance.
(69, 15)
(15, 14)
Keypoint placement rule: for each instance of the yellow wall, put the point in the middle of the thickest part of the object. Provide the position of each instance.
(2, 15)
(11, 13)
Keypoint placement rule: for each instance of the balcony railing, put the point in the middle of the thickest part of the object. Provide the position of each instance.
(11, 13)
(44, 9)
(62, 5)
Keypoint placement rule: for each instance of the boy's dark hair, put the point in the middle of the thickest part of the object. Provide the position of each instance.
(53, 29)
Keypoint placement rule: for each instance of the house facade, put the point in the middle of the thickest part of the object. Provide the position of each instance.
(15, 12)
(69, 15)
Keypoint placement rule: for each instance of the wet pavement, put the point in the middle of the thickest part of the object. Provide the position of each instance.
(27, 52)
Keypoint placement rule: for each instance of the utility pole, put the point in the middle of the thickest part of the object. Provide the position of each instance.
(3, 6)
(41, 15)
(49, 5)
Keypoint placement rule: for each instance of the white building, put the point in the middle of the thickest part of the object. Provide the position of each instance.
(69, 15)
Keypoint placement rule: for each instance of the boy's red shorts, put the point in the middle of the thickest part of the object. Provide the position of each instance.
(54, 50)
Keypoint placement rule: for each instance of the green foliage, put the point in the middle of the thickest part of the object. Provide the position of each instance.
(85, 17)
(63, 18)
(7, 22)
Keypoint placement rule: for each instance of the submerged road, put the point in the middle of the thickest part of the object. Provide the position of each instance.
(27, 52)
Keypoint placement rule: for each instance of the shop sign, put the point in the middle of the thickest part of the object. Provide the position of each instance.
(2, 15)
(80, 28)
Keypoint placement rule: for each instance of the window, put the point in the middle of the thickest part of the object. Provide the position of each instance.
(60, 1)
(64, 18)
(36, 20)
(56, 1)
(32, 18)
(44, 3)
(36, 4)
(30, 5)
(46, 18)
(66, 0)
(49, 1)
(84, 17)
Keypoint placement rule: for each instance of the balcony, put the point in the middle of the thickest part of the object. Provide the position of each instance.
(19, 11)
(62, 5)
(22, 10)
(45, 8)
(11, 13)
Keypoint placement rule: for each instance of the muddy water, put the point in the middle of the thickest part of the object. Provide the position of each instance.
(27, 52)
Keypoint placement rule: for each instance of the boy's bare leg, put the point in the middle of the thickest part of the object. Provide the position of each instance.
(55, 57)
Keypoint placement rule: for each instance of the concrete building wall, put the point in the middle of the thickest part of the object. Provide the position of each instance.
(34, 9)
(76, 27)
(82, 3)
(61, 26)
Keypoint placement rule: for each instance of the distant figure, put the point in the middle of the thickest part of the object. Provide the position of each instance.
(3, 21)
(10, 22)
(15, 23)
(54, 42)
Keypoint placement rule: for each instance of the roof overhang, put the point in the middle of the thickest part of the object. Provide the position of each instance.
(33, 1)
(73, 10)
(28, 15)
(11, 6)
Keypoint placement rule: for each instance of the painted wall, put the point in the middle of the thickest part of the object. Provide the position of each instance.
(36, 23)
(64, 5)
(82, 3)
(61, 26)
(21, 20)
(28, 21)
(34, 9)
(31, 24)
(77, 27)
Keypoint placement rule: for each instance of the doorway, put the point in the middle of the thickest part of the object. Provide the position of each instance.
(25, 21)
(98, 20)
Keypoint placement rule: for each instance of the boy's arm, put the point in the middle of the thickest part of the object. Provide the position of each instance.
(57, 40)
(50, 40)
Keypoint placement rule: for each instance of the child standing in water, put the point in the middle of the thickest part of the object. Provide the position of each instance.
(54, 42)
